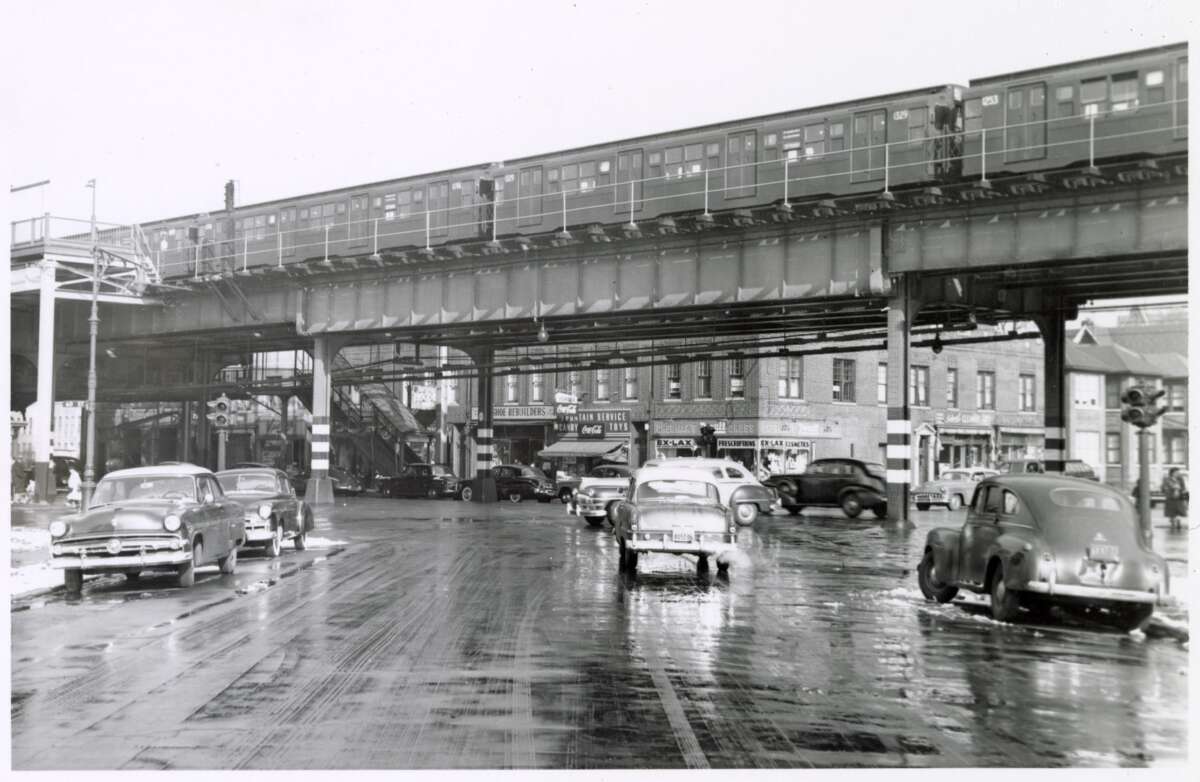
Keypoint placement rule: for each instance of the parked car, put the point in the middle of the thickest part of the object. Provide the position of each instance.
(345, 482)
(516, 482)
(566, 484)
(952, 488)
(1073, 468)
(172, 517)
(271, 510)
(1036, 540)
(849, 484)
(598, 491)
(422, 480)
(676, 510)
(740, 490)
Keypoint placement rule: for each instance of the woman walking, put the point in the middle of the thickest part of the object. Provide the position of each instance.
(1175, 494)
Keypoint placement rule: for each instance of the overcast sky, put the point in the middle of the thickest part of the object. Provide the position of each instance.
(162, 103)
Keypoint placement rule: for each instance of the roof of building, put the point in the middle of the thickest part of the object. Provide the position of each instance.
(1170, 365)
(1108, 360)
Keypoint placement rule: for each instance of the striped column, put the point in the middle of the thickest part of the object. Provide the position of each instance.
(483, 452)
(320, 488)
(1052, 324)
(484, 483)
(1055, 452)
(901, 311)
(320, 446)
(899, 446)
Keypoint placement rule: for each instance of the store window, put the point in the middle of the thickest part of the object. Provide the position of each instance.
(601, 385)
(537, 393)
(631, 384)
(1028, 402)
(985, 390)
(737, 378)
(918, 386)
(791, 377)
(1112, 447)
(512, 394)
(704, 379)
(674, 383)
(881, 383)
(843, 380)
(951, 387)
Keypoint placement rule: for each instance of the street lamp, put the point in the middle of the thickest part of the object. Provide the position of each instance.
(89, 471)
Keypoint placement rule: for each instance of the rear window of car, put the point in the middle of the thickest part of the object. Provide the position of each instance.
(954, 476)
(263, 483)
(1082, 499)
(676, 489)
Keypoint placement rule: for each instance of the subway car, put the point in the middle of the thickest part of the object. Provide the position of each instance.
(1107, 108)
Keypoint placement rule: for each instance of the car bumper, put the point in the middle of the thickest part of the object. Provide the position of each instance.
(121, 561)
(707, 543)
(583, 505)
(931, 499)
(1084, 592)
(257, 534)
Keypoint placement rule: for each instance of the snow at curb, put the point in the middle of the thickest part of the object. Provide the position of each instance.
(324, 542)
(33, 578)
(29, 539)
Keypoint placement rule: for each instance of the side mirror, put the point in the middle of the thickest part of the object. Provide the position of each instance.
(208, 497)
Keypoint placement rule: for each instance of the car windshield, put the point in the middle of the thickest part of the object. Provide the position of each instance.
(438, 469)
(533, 472)
(144, 487)
(243, 483)
(1083, 499)
(954, 475)
(674, 490)
(874, 468)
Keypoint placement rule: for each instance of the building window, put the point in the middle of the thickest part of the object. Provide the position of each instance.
(1176, 444)
(952, 387)
(985, 390)
(881, 383)
(511, 393)
(791, 377)
(1176, 397)
(918, 386)
(631, 383)
(536, 389)
(843, 380)
(674, 386)
(1112, 448)
(1112, 392)
(704, 379)
(737, 378)
(451, 390)
(575, 384)
(1028, 403)
(601, 385)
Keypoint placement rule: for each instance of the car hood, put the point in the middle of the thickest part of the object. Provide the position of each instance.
(251, 500)
(128, 516)
(933, 487)
(603, 483)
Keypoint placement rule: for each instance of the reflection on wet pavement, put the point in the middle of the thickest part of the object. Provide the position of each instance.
(503, 636)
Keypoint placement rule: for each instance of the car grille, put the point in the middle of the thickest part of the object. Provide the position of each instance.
(98, 546)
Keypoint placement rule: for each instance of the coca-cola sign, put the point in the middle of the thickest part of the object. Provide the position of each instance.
(591, 431)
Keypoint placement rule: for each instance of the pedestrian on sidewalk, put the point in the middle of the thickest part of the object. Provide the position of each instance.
(1175, 492)
(74, 488)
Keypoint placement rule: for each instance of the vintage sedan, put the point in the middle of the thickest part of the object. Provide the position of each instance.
(421, 480)
(952, 488)
(598, 491)
(740, 490)
(271, 510)
(516, 482)
(677, 511)
(849, 484)
(1036, 540)
(169, 517)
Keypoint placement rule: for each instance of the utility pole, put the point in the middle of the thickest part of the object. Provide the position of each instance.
(89, 470)
(1144, 481)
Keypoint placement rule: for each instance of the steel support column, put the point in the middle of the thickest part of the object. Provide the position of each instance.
(1053, 326)
(43, 473)
(902, 311)
(320, 488)
(484, 485)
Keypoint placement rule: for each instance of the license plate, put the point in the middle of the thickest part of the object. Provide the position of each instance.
(680, 535)
(1104, 552)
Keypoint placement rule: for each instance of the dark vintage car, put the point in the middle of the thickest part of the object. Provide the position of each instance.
(740, 490)
(271, 510)
(675, 510)
(516, 482)
(598, 491)
(170, 517)
(343, 482)
(1036, 540)
(849, 484)
(422, 480)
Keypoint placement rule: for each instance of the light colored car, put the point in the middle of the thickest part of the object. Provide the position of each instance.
(740, 490)
(170, 517)
(952, 489)
(1032, 541)
(677, 511)
(598, 491)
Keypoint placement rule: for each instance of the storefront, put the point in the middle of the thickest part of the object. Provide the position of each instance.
(1021, 442)
(674, 447)
(590, 437)
(776, 454)
(519, 432)
(577, 457)
(965, 446)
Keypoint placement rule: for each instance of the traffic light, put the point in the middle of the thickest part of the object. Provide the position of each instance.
(1141, 405)
(219, 412)
(706, 441)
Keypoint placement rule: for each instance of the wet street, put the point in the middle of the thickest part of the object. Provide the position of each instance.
(424, 634)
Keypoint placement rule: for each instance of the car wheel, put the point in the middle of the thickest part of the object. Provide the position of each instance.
(1005, 602)
(723, 568)
(956, 502)
(702, 565)
(745, 514)
(187, 571)
(1130, 618)
(300, 541)
(595, 521)
(880, 511)
(515, 496)
(922, 506)
(564, 496)
(465, 494)
(631, 558)
(73, 581)
(795, 510)
(275, 544)
(851, 505)
(228, 563)
(930, 587)
(622, 560)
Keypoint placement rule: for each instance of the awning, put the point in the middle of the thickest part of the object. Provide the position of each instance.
(582, 448)
(966, 430)
(1031, 431)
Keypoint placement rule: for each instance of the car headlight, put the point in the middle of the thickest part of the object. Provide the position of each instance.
(590, 491)
(1045, 566)
(58, 528)
(264, 510)
(172, 523)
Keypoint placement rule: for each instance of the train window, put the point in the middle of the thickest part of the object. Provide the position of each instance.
(674, 161)
(552, 175)
(1155, 91)
(605, 166)
(570, 177)
(814, 133)
(341, 208)
(304, 214)
(418, 196)
(917, 121)
(270, 221)
(1125, 91)
(378, 202)
(1092, 94)
(587, 169)
(327, 210)
(389, 206)
(1014, 99)
(654, 159)
(741, 174)
(837, 136)
(713, 150)
(770, 140)
(1065, 97)
(973, 111)
(692, 159)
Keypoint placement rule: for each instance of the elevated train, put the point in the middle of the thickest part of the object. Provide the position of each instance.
(1126, 105)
